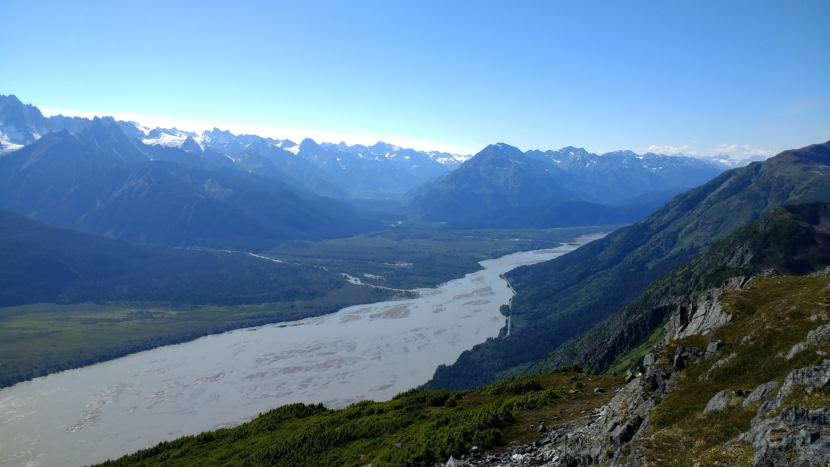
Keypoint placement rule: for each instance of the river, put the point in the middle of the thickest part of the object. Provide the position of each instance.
(371, 351)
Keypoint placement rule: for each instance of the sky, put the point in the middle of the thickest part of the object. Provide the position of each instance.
(696, 77)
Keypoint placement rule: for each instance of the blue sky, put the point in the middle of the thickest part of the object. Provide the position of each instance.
(693, 76)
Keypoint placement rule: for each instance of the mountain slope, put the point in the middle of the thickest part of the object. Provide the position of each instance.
(793, 240)
(416, 428)
(20, 124)
(502, 186)
(102, 181)
(267, 157)
(565, 297)
(499, 177)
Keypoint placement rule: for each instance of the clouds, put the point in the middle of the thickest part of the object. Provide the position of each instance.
(733, 151)
(742, 151)
(671, 150)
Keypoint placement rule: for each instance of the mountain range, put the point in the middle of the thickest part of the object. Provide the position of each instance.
(334, 170)
(101, 181)
(379, 171)
(215, 188)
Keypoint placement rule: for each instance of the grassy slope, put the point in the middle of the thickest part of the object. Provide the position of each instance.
(419, 427)
(768, 320)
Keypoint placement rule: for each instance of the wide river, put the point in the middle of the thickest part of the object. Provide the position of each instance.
(361, 352)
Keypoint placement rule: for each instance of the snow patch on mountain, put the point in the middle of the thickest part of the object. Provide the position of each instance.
(168, 137)
(6, 146)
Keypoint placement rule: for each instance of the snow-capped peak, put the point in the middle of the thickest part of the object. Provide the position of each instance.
(168, 137)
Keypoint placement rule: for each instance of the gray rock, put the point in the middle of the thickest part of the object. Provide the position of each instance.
(717, 403)
(814, 377)
(799, 437)
(655, 378)
(818, 336)
(703, 315)
(795, 350)
(713, 348)
(684, 357)
(809, 378)
(815, 338)
(760, 393)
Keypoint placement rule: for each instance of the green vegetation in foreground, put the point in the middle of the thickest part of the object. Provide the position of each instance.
(771, 317)
(421, 256)
(418, 427)
(39, 339)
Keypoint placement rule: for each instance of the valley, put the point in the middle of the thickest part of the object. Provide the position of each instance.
(41, 338)
(370, 351)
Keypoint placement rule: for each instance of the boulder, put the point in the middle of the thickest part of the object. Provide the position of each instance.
(763, 391)
(713, 348)
(684, 357)
(717, 403)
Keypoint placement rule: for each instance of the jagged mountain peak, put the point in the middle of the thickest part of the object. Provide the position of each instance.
(308, 144)
(383, 148)
(574, 151)
(499, 149)
(190, 145)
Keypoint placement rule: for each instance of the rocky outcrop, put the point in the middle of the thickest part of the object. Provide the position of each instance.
(806, 379)
(600, 437)
(704, 314)
(797, 436)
